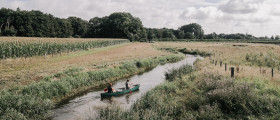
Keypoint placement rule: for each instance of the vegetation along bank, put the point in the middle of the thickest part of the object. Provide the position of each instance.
(195, 94)
(36, 99)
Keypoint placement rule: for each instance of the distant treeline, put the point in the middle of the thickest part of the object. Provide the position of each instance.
(117, 25)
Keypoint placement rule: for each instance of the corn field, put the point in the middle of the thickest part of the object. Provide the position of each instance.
(30, 48)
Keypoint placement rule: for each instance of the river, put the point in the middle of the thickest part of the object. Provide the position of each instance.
(88, 104)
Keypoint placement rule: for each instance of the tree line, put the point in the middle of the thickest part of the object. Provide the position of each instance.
(117, 25)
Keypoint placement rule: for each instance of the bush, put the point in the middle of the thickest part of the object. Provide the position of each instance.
(178, 73)
(195, 52)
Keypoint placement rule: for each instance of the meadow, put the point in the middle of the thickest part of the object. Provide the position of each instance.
(252, 60)
(23, 71)
(208, 91)
(32, 86)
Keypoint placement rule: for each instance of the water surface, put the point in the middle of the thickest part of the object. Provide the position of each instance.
(81, 107)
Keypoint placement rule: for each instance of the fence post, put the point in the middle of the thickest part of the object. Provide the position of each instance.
(225, 67)
(232, 72)
(237, 69)
(272, 72)
(45, 55)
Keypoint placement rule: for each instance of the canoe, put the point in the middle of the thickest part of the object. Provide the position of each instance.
(124, 91)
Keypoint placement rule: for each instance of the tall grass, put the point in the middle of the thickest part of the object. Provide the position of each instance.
(204, 96)
(35, 100)
(268, 60)
(174, 74)
(195, 52)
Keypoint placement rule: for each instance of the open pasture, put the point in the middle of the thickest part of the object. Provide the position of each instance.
(248, 59)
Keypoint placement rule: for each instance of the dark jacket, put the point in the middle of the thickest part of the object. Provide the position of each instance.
(110, 90)
(126, 85)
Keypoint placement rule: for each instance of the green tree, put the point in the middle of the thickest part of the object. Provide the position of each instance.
(192, 30)
(96, 27)
(151, 34)
(79, 26)
(272, 37)
(117, 25)
(6, 19)
(125, 25)
(189, 35)
(277, 37)
(211, 36)
(167, 33)
(181, 35)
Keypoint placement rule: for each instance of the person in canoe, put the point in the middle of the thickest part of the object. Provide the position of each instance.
(127, 86)
(110, 89)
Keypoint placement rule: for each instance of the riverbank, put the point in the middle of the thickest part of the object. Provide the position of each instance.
(35, 100)
(200, 95)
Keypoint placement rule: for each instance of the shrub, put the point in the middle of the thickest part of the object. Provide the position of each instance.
(178, 73)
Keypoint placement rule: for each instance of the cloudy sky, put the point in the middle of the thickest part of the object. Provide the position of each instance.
(257, 17)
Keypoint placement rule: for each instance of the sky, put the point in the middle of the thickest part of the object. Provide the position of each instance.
(257, 17)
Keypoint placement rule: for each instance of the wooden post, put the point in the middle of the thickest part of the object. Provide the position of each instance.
(272, 72)
(45, 56)
(232, 71)
(237, 69)
(225, 67)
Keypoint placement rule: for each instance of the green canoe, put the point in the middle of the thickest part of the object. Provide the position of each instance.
(124, 91)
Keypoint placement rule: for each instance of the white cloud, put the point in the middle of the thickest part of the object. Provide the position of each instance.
(242, 6)
(202, 13)
(258, 17)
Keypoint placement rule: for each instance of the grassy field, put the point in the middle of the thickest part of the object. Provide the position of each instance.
(208, 92)
(21, 71)
(262, 57)
(31, 86)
